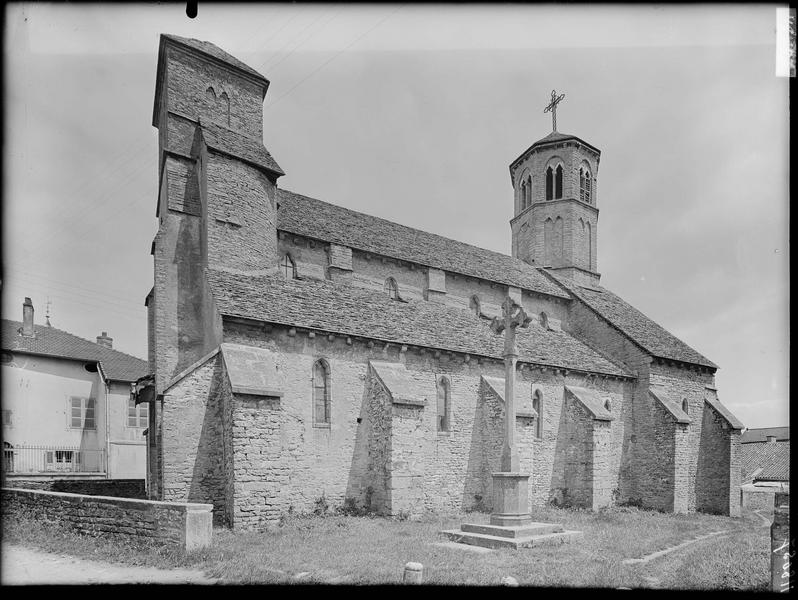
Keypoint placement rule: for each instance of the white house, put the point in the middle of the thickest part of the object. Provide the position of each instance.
(66, 405)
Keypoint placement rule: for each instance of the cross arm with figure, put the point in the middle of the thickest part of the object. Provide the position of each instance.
(513, 315)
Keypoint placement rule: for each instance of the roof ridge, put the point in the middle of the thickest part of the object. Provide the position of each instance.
(100, 347)
(515, 260)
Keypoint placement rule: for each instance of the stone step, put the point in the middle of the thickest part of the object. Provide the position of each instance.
(528, 530)
(495, 541)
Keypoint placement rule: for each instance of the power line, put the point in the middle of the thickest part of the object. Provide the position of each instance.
(34, 276)
(304, 29)
(336, 55)
(295, 48)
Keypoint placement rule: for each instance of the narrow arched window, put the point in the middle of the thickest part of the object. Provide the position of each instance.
(537, 406)
(321, 393)
(584, 185)
(391, 288)
(210, 94)
(522, 204)
(225, 101)
(549, 184)
(685, 406)
(289, 267)
(558, 182)
(474, 305)
(608, 405)
(444, 404)
(588, 186)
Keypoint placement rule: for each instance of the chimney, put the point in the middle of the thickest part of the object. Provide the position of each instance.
(27, 318)
(771, 438)
(104, 340)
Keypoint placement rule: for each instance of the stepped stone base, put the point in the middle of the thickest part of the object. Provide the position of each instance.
(524, 536)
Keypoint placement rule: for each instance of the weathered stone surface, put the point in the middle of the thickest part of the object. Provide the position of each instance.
(188, 526)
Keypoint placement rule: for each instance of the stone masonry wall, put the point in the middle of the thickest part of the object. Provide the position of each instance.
(572, 481)
(261, 441)
(375, 494)
(192, 446)
(592, 330)
(691, 385)
(184, 525)
(370, 272)
(189, 77)
(237, 192)
(717, 482)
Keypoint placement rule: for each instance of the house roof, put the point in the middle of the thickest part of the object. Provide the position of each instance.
(762, 434)
(354, 311)
(313, 218)
(763, 461)
(651, 337)
(49, 341)
(238, 145)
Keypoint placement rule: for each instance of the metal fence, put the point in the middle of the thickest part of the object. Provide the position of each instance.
(52, 459)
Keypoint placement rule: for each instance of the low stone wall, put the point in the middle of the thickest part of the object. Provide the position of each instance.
(117, 488)
(186, 525)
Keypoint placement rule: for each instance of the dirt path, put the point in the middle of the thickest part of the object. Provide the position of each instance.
(25, 566)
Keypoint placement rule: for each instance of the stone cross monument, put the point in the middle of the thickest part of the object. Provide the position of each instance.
(510, 487)
(511, 525)
(513, 316)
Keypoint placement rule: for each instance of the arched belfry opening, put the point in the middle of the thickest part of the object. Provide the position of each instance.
(558, 228)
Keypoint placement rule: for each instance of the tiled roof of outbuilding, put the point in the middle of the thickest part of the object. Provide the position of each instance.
(353, 311)
(762, 434)
(765, 461)
(215, 52)
(324, 221)
(49, 341)
(235, 144)
(653, 338)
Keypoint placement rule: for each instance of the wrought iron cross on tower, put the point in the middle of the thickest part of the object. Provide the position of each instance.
(552, 108)
(513, 315)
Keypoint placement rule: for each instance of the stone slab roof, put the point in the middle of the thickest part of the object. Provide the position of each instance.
(400, 383)
(215, 52)
(647, 334)
(669, 403)
(724, 412)
(313, 218)
(763, 461)
(238, 145)
(354, 311)
(523, 393)
(762, 434)
(49, 341)
(592, 400)
(250, 370)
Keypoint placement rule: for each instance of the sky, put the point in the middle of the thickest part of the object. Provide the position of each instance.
(413, 113)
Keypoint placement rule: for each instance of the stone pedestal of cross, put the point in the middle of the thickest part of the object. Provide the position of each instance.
(511, 525)
(510, 486)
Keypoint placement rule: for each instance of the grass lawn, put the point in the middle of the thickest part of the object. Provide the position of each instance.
(373, 550)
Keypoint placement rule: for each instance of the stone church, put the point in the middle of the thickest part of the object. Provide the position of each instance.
(301, 349)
